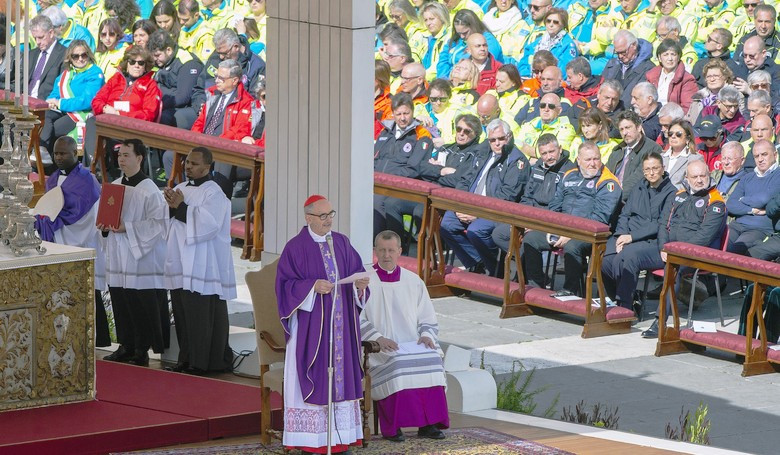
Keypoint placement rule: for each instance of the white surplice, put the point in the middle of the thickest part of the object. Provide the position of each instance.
(306, 425)
(198, 256)
(135, 259)
(83, 233)
(403, 312)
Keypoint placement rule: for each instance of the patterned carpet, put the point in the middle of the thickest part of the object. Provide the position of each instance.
(460, 441)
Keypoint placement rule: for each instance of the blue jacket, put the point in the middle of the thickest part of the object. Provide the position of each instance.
(507, 177)
(78, 32)
(565, 51)
(455, 51)
(751, 192)
(84, 85)
(595, 198)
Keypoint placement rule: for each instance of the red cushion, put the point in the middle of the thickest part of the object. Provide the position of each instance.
(772, 355)
(541, 298)
(479, 282)
(721, 340)
(237, 229)
(405, 183)
(724, 258)
(527, 211)
(618, 313)
(35, 104)
(174, 133)
(408, 263)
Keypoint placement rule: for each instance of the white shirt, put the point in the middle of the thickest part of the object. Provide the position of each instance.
(663, 86)
(673, 159)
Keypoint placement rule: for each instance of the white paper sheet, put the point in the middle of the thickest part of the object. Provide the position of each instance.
(357, 276)
(412, 347)
(704, 327)
(51, 203)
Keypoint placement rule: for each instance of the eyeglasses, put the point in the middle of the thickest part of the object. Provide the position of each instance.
(225, 53)
(137, 62)
(493, 140)
(553, 21)
(750, 56)
(713, 40)
(750, 5)
(676, 134)
(466, 131)
(714, 76)
(438, 99)
(396, 17)
(409, 78)
(219, 78)
(728, 107)
(708, 139)
(653, 169)
(760, 86)
(548, 106)
(324, 216)
(83, 55)
(538, 7)
(624, 51)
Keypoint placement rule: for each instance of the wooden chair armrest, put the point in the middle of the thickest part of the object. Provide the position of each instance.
(371, 347)
(269, 340)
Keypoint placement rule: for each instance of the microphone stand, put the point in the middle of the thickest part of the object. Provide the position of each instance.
(331, 410)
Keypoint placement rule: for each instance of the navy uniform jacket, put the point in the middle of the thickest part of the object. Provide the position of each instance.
(459, 157)
(696, 218)
(507, 176)
(404, 156)
(543, 184)
(595, 198)
(177, 79)
(642, 213)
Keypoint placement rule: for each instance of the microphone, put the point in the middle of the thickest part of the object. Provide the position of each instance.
(329, 239)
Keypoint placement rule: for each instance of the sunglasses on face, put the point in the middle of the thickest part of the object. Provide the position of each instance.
(78, 56)
(538, 7)
(107, 34)
(396, 17)
(493, 140)
(749, 5)
(548, 106)
(708, 139)
(760, 86)
(676, 134)
(463, 130)
(553, 21)
(438, 99)
(137, 62)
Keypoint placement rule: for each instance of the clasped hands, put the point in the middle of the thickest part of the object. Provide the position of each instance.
(173, 198)
(388, 345)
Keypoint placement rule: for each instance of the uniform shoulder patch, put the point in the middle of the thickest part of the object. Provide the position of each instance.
(716, 209)
(520, 164)
(611, 186)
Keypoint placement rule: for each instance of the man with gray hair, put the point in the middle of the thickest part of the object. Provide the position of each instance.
(608, 98)
(46, 59)
(227, 111)
(67, 29)
(630, 64)
(644, 101)
(500, 171)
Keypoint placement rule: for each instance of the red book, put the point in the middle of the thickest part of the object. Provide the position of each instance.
(112, 197)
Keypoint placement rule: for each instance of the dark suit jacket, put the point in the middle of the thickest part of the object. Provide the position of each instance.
(53, 68)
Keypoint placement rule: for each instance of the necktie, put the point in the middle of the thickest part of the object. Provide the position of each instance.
(38, 70)
(212, 125)
(626, 159)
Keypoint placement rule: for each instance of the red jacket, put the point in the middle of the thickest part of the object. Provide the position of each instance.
(588, 90)
(681, 88)
(237, 122)
(143, 95)
(487, 77)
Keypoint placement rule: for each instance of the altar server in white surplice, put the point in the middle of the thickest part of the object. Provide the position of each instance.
(135, 257)
(75, 224)
(407, 377)
(199, 267)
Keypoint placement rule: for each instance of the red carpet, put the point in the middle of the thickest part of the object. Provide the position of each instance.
(136, 408)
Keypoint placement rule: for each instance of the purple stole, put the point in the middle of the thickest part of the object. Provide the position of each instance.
(80, 191)
(338, 324)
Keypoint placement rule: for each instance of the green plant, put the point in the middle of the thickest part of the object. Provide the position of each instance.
(602, 417)
(695, 430)
(515, 394)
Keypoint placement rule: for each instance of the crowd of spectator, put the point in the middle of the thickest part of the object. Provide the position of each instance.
(658, 118)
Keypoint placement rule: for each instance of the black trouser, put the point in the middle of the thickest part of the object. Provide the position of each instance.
(165, 316)
(768, 249)
(395, 209)
(574, 260)
(620, 271)
(137, 317)
(742, 238)
(202, 330)
(57, 124)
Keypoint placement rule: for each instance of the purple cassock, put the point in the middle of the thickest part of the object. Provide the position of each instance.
(80, 191)
(303, 262)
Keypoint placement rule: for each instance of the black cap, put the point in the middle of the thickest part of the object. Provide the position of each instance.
(708, 126)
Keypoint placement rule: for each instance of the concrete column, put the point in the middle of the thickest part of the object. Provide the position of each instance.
(320, 117)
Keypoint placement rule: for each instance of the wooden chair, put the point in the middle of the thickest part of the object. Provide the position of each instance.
(271, 349)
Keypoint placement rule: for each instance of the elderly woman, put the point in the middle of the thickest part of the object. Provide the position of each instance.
(674, 83)
(464, 24)
(594, 126)
(556, 39)
(131, 92)
(436, 19)
(70, 99)
(727, 108)
(716, 75)
(403, 14)
(464, 78)
(680, 151)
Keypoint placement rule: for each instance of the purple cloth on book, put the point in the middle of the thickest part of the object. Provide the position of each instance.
(413, 408)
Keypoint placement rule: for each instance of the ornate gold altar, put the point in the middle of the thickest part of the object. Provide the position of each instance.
(47, 310)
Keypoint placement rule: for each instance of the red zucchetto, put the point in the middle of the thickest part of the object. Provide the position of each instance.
(313, 198)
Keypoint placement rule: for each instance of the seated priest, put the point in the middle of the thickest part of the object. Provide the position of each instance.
(74, 225)
(407, 376)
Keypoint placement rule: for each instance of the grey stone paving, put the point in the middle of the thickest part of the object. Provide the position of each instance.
(621, 370)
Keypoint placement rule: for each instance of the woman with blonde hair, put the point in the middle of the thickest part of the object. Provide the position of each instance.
(464, 78)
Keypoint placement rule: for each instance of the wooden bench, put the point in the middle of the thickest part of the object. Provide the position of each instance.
(181, 142)
(758, 358)
(517, 299)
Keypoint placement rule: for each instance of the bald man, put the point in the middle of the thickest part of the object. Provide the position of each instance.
(549, 121)
(489, 110)
(486, 63)
(551, 81)
(761, 128)
(413, 82)
(754, 57)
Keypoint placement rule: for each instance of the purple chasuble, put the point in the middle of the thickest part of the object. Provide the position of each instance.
(80, 191)
(388, 277)
(303, 262)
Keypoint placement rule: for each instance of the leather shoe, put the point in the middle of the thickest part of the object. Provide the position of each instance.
(195, 371)
(430, 432)
(178, 368)
(120, 355)
(652, 332)
(638, 310)
(399, 437)
(140, 358)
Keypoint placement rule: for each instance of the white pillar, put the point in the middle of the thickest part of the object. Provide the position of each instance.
(319, 128)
